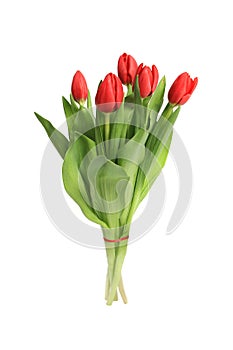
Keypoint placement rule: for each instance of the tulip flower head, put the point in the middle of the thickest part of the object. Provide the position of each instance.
(147, 80)
(79, 87)
(182, 89)
(110, 94)
(127, 69)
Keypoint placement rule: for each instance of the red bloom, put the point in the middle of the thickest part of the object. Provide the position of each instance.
(182, 89)
(110, 94)
(147, 79)
(79, 87)
(127, 69)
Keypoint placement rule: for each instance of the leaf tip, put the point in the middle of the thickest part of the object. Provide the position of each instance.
(38, 116)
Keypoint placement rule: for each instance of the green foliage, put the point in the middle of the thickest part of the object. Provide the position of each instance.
(111, 161)
(59, 141)
(69, 117)
(74, 176)
(156, 100)
(84, 123)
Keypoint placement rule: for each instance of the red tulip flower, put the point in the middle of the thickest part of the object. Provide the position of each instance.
(147, 80)
(127, 69)
(110, 94)
(182, 89)
(79, 87)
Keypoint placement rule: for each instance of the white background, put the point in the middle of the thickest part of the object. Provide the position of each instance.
(179, 286)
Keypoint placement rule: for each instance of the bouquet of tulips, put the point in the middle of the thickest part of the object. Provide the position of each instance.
(117, 149)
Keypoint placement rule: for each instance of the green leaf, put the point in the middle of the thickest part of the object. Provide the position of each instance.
(119, 124)
(133, 152)
(69, 117)
(157, 150)
(157, 165)
(110, 176)
(110, 189)
(57, 138)
(172, 119)
(84, 123)
(74, 105)
(74, 169)
(156, 100)
(129, 98)
(146, 101)
(139, 120)
(130, 156)
(159, 145)
(67, 108)
(138, 99)
(99, 132)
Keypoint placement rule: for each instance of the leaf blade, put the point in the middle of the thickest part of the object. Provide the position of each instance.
(59, 141)
(73, 180)
(156, 100)
(69, 117)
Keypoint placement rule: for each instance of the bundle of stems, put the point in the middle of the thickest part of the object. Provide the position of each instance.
(115, 152)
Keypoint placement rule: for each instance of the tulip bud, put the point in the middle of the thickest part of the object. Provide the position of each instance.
(110, 94)
(127, 69)
(79, 87)
(147, 80)
(182, 89)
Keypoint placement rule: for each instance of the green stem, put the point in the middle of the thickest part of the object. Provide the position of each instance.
(122, 291)
(99, 133)
(107, 286)
(107, 132)
(107, 126)
(121, 252)
(129, 89)
(167, 110)
(89, 103)
(111, 262)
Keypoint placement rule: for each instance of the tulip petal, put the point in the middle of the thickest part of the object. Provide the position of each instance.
(79, 87)
(184, 99)
(155, 74)
(122, 68)
(132, 69)
(194, 84)
(139, 68)
(178, 88)
(110, 94)
(145, 82)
